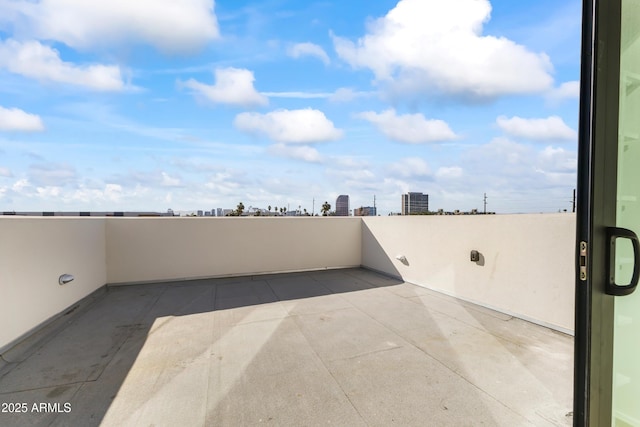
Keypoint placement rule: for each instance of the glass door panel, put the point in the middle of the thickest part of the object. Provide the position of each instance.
(626, 355)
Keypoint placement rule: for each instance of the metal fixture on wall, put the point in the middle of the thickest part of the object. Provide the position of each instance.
(65, 278)
(402, 259)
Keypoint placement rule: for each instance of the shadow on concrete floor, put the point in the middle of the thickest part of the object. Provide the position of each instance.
(349, 347)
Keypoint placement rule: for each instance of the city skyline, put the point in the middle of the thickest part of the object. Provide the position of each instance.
(288, 102)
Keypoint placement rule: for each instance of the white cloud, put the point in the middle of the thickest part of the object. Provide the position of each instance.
(397, 186)
(222, 183)
(340, 95)
(552, 128)
(350, 162)
(501, 158)
(194, 164)
(52, 174)
(533, 176)
(438, 45)
(409, 128)
(77, 197)
(299, 152)
(410, 167)
(358, 181)
(308, 49)
(169, 25)
(49, 192)
(169, 181)
(147, 179)
(34, 60)
(557, 165)
(290, 126)
(14, 119)
(451, 172)
(557, 160)
(567, 90)
(110, 193)
(233, 86)
(5, 172)
(345, 94)
(20, 185)
(298, 95)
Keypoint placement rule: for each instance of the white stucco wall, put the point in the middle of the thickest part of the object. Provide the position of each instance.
(34, 252)
(147, 249)
(528, 266)
(528, 259)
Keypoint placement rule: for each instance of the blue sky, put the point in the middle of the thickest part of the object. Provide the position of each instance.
(157, 104)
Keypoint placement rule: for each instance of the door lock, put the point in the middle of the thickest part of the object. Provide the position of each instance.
(583, 261)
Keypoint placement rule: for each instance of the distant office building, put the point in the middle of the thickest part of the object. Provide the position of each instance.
(199, 212)
(365, 211)
(219, 212)
(342, 205)
(415, 203)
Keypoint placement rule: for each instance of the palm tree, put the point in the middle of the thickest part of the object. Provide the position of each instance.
(269, 207)
(276, 209)
(306, 213)
(326, 207)
(240, 209)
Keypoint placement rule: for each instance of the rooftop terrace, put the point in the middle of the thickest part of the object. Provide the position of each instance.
(288, 321)
(340, 347)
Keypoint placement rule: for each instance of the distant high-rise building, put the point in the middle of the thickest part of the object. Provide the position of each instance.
(415, 203)
(365, 211)
(342, 205)
(219, 212)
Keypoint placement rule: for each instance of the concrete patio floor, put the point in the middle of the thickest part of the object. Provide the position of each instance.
(337, 347)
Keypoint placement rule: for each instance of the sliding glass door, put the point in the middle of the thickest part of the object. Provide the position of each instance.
(607, 354)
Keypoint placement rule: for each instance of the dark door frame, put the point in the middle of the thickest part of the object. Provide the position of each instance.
(596, 209)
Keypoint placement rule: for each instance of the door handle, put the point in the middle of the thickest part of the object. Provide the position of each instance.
(612, 288)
